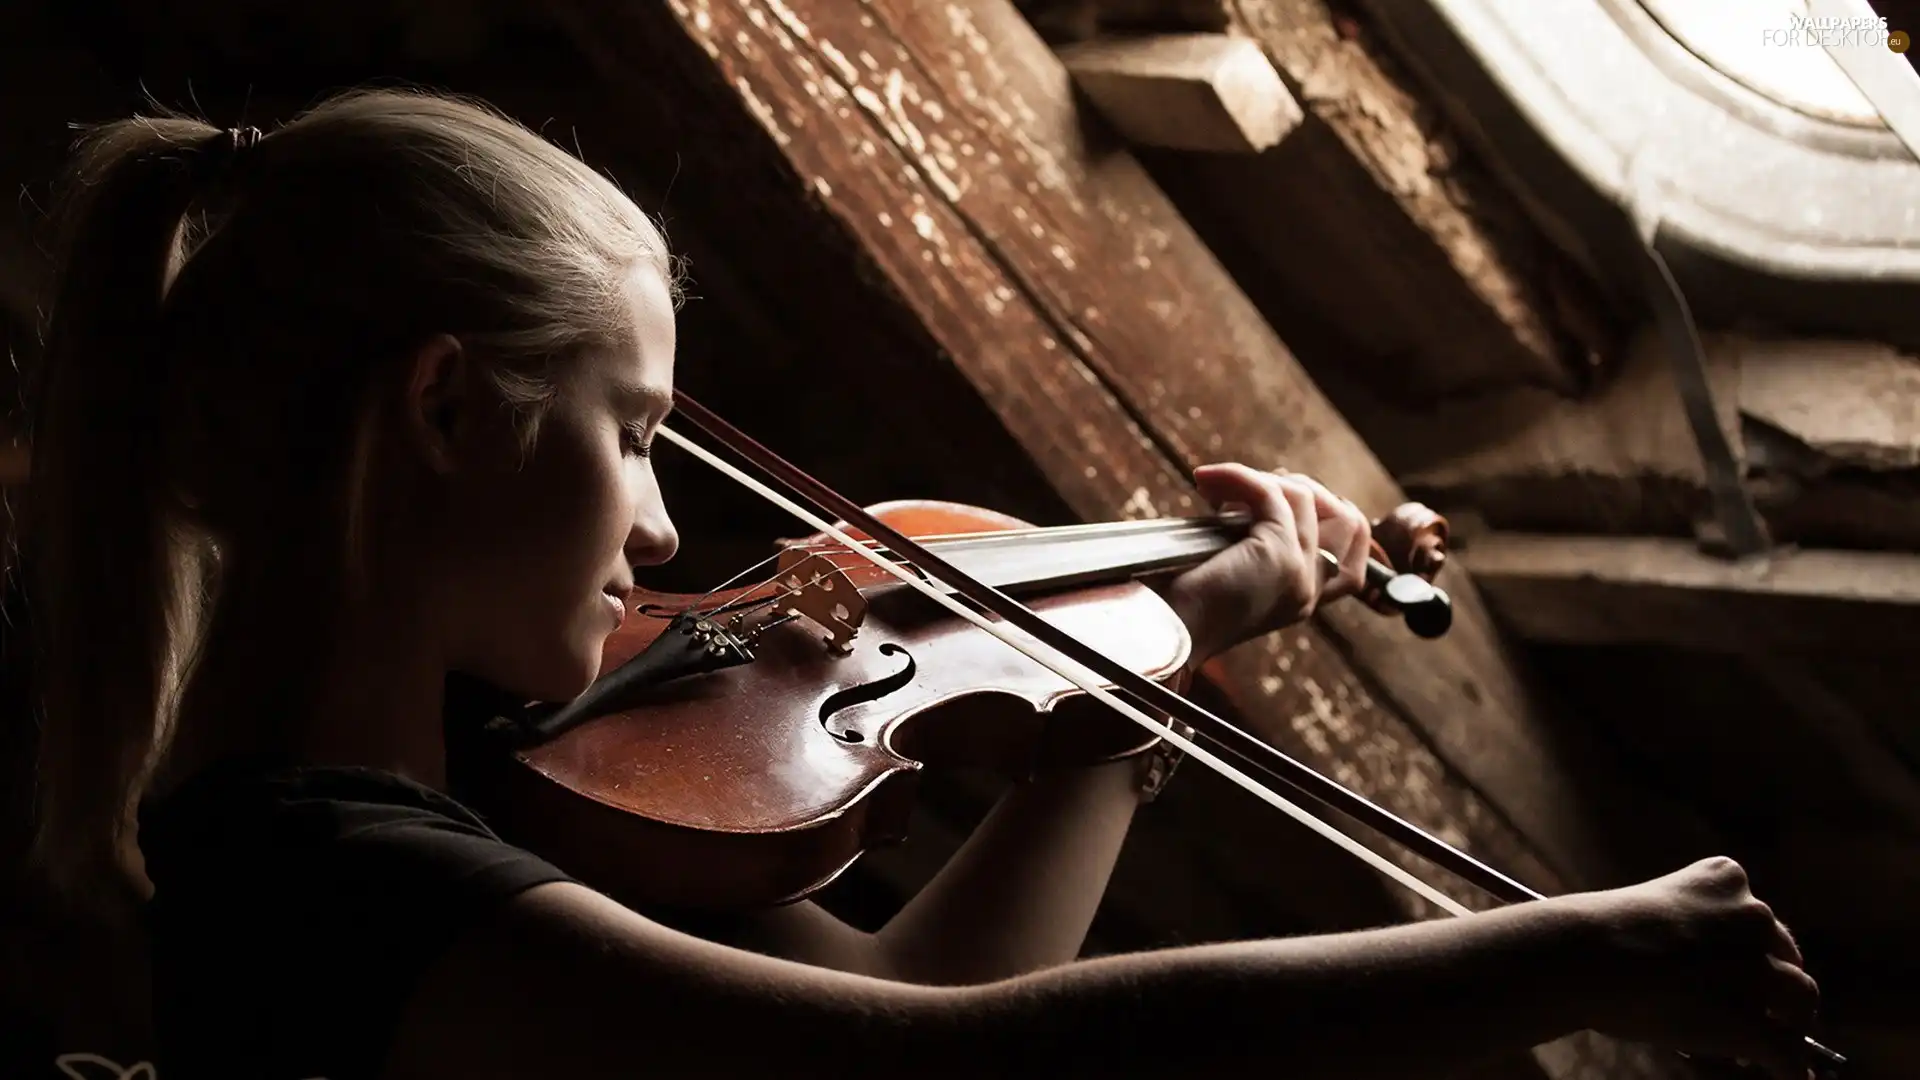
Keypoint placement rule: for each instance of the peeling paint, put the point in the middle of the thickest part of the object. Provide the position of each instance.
(891, 114)
(761, 111)
(847, 73)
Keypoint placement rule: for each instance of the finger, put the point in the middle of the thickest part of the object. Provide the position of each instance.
(1792, 997)
(1346, 534)
(1353, 564)
(1784, 947)
(1300, 498)
(1231, 484)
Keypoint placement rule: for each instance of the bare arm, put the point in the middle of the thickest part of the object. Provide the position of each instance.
(1017, 897)
(569, 983)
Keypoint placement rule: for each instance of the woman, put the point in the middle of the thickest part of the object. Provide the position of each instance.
(406, 364)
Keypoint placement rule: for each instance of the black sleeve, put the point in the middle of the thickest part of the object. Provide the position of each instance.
(293, 915)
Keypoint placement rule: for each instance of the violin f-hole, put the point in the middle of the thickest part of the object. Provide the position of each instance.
(842, 700)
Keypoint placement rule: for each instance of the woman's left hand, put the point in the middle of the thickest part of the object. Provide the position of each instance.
(1275, 576)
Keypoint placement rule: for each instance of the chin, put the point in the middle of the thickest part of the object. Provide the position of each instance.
(561, 677)
(578, 673)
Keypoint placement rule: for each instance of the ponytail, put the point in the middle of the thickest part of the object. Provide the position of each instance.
(105, 571)
(218, 326)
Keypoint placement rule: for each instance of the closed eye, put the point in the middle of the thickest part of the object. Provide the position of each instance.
(634, 441)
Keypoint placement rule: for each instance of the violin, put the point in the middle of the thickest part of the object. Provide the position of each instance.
(760, 738)
(743, 748)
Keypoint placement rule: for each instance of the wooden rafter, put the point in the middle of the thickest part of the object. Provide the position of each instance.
(1587, 590)
(1826, 432)
(1373, 237)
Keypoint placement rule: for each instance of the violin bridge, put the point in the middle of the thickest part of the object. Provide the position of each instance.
(821, 592)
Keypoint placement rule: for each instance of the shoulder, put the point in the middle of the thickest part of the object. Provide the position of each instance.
(355, 841)
(259, 797)
(294, 908)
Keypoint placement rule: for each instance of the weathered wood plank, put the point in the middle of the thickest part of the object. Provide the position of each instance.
(1827, 432)
(976, 131)
(1645, 590)
(1373, 228)
(1206, 92)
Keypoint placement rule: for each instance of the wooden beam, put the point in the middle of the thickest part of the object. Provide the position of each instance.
(1203, 92)
(1589, 590)
(1826, 431)
(1374, 241)
(1065, 289)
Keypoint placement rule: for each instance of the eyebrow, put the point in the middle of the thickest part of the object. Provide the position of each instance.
(650, 399)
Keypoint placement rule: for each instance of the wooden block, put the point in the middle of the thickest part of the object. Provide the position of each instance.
(1374, 242)
(1205, 92)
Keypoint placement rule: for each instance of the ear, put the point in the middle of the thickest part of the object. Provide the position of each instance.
(439, 406)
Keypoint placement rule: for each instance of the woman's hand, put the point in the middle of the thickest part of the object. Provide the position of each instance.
(1275, 576)
(1696, 963)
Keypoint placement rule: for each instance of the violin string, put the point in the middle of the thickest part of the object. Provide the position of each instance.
(743, 604)
(1090, 530)
(1060, 664)
(708, 595)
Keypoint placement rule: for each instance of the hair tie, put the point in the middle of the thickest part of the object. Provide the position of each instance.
(217, 153)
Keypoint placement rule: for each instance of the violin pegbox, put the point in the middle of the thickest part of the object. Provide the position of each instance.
(815, 589)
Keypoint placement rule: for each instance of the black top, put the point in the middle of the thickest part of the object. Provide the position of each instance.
(295, 908)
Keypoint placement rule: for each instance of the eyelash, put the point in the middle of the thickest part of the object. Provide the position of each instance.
(633, 440)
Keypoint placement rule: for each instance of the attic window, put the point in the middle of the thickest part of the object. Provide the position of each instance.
(1774, 47)
(1783, 201)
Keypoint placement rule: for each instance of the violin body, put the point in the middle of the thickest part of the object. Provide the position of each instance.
(761, 783)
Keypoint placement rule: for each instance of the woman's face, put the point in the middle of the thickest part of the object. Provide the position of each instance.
(552, 534)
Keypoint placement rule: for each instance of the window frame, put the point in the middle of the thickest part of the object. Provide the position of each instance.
(1773, 218)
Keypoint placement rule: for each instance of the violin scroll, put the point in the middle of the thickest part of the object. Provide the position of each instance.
(1412, 540)
(1409, 551)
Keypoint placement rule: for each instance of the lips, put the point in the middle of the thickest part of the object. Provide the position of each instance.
(619, 606)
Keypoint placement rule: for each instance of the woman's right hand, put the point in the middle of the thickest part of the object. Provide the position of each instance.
(1696, 963)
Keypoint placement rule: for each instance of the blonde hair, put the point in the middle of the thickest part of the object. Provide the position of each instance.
(222, 315)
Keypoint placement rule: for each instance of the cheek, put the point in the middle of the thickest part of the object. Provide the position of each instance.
(562, 538)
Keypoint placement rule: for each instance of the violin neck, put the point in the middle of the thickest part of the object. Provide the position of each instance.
(1045, 559)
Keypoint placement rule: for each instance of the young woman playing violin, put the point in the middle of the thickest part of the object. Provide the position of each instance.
(404, 361)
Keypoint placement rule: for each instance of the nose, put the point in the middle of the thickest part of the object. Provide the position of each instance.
(653, 539)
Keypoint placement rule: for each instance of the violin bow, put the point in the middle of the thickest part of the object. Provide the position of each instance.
(1256, 752)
